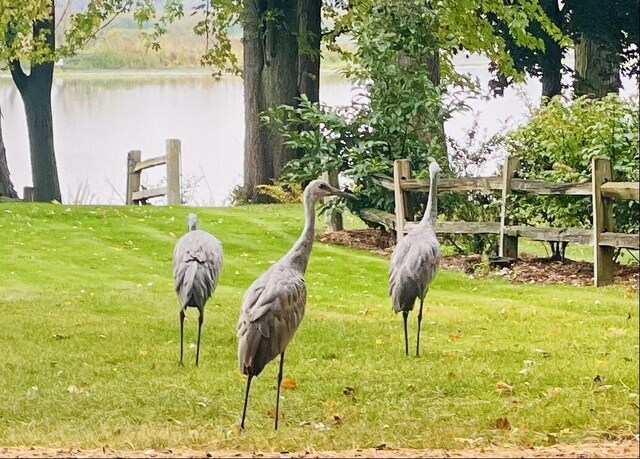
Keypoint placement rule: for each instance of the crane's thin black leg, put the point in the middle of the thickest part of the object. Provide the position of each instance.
(405, 314)
(246, 401)
(181, 335)
(200, 320)
(419, 323)
(278, 392)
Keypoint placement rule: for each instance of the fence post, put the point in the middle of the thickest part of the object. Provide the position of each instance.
(602, 221)
(334, 219)
(133, 178)
(508, 244)
(173, 172)
(401, 171)
(27, 194)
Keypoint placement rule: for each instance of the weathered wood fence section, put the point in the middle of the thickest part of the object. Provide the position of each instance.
(136, 194)
(601, 190)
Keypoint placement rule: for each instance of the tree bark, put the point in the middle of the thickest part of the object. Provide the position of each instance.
(309, 49)
(257, 161)
(35, 90)
(597, 68)
(551, 59)
(270, 79)
(6, 187)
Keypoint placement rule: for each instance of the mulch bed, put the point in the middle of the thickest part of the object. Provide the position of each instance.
(526, 270)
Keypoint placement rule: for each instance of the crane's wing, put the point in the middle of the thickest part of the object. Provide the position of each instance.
(272, 310)
(413, 266)
(197, 263)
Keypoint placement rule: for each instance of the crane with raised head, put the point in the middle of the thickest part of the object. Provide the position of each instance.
(415, 261)
(274, 304)
(197, 262)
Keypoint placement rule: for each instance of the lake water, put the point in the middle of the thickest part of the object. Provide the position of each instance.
(99, 117)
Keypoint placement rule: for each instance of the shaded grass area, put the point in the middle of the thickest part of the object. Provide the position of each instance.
(90, 345)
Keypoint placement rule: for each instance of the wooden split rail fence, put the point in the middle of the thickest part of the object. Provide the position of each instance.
(135, 192)
(602, 191)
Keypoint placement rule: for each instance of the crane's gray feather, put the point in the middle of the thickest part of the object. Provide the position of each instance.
(272, 310)
(414, 264)
(197, 263)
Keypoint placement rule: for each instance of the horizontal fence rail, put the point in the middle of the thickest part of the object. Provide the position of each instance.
(136, 194)
(602, 190)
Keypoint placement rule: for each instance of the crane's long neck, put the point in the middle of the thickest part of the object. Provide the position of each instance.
(431, 212)
(300, 252)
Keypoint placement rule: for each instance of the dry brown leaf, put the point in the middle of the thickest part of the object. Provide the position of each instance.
(503, 424)
(289, 384)
(455, 337)
(272, 414)
(349, 391)
(504, 388)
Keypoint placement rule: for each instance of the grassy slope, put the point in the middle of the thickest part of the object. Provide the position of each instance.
(90, 320)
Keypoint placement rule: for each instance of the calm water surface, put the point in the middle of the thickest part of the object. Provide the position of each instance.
(100, 117)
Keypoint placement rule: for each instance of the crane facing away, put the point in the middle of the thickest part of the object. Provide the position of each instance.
(415, 261)
(197, 262)
(274, 304)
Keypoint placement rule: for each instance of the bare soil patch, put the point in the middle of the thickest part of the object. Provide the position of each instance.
(525, 270)
(623, 449)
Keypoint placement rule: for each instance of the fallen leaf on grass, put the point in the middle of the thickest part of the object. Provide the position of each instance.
(504, 388)
(289, 384)
(544, 354)
(272, 414)
(552, 392)
(455, 337)
(73, 389)
(503, 424)
(618, 331)
(349, 391)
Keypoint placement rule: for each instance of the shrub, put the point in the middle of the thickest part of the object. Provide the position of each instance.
(558, 144)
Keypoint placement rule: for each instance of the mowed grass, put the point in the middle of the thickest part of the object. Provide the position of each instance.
(89, 345)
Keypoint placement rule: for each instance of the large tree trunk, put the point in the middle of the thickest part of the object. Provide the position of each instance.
(6, 187)
(270, 79)
(552, 58)
(597, 68)
(309, 48)
(35, 90)
(257, 161)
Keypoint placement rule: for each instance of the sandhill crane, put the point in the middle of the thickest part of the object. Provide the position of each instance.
(197, 262)
(274, 304)
(415, 260)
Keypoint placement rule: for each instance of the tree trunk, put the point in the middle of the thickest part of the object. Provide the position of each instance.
(35, 90)
(597, 68)
(309, 48)
(551, 59)
(6, 187)
(270, 79)
(257, 161)
(280, 74)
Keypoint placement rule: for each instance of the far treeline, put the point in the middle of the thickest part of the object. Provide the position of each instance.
(400, 52)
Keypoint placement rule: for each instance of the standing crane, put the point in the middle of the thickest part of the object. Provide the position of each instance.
(415, 261)
(197, 262)
(274, 304)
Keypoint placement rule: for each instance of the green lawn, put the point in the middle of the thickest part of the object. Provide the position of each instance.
(89, 345)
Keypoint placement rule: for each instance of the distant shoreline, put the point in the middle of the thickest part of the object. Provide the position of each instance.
(98, 74)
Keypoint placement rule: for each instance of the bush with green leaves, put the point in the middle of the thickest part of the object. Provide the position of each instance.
(558, 144)
(399, 114)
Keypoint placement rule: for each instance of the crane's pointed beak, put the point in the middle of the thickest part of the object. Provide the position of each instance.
(342, 194)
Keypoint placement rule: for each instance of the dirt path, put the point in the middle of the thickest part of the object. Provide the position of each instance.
(624, 449)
